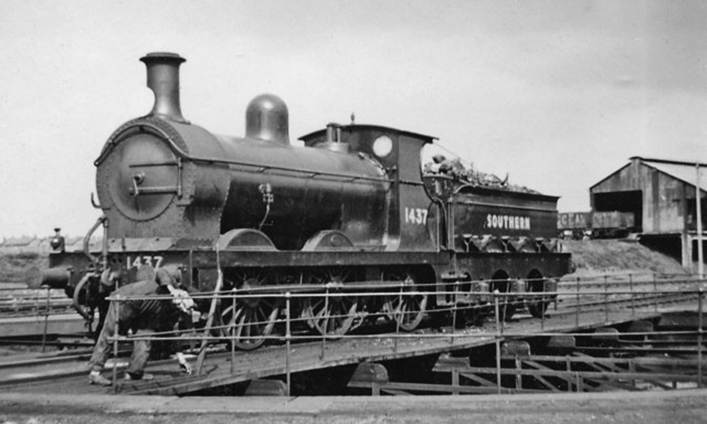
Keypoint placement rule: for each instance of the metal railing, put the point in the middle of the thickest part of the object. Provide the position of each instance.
(610, 298)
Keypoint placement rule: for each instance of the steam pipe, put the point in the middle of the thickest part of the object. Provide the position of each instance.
(87, 239)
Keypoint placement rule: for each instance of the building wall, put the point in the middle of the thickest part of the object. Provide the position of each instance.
(664, 197)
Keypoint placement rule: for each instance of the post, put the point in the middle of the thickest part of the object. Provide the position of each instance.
(606, 299)
(576, 314)
(499, 332)
(568, 367)
(698, 202)
(454, 312)
(630, 289)
(288, 335)
(455, 381)
(699, 338)
(210, 318)
(375, 389)
(46, 319)
(519, 375)
(398, 319)
(326, 322)
(499, 321)
(543, 308)
(655, 293)
(233, 332)
(554, 300)
(115, 343)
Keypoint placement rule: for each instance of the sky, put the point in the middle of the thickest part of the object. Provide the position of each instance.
(558, 94)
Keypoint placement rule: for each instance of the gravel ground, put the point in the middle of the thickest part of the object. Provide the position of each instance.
(683, 407)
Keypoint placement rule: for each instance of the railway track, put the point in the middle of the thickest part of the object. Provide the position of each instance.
(53, 358)
(647, 299)
(17, 370)
(18, 300)
(34, 368)
(26, 315)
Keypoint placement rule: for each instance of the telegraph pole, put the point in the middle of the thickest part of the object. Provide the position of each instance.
(698, 201)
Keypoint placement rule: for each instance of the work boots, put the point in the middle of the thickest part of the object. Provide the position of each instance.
(95, 377)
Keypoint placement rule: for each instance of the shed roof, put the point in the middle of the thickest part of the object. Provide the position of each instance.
(683, 171)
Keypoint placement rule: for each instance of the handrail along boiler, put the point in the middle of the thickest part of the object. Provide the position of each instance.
(352, 205)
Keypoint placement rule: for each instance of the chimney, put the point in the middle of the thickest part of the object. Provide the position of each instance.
(163, 80)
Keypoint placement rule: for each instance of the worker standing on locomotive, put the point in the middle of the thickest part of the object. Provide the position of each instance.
(143, 316)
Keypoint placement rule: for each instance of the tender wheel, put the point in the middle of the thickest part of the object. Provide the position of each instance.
(408, 307)
(537, 305)
(254, 317)
(538, 309)
(336, 314)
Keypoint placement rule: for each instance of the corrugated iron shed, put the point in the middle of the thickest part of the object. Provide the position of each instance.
(661, 194)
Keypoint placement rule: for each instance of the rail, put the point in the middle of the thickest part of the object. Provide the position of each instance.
(24, 301)
(289, 325)
(42, 303)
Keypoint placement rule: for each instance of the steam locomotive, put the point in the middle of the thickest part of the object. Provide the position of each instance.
(351, 206)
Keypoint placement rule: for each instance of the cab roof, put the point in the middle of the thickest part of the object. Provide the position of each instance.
(363, 127)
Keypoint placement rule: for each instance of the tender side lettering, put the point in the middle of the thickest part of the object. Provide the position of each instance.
(508, 222)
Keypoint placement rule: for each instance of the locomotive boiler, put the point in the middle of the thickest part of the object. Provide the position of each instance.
(351, 206)
(161, 176)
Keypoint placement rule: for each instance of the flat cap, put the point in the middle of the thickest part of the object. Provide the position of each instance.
(168, 275)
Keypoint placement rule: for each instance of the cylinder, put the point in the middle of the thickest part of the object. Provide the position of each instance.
(56, 277)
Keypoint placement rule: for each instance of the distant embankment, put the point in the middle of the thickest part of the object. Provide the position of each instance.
(23, 258)
(24, 267)
(593, 257)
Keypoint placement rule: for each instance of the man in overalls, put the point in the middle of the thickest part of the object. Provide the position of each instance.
(143, 316)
